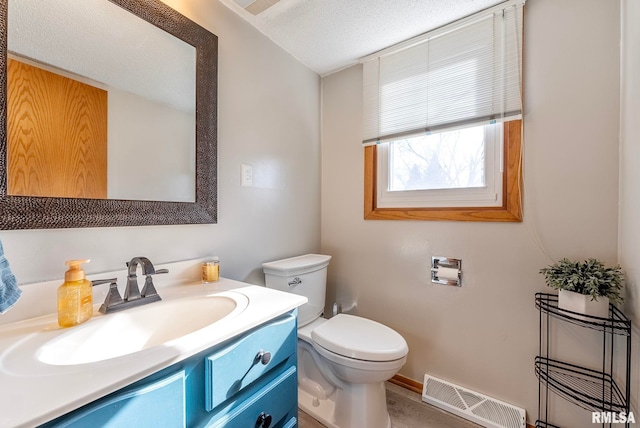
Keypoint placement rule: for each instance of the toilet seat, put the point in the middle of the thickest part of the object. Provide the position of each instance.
(362, 365)
(359, 338)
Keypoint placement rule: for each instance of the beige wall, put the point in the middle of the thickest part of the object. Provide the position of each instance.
(629, 230)
(268, 117)
(484, 335)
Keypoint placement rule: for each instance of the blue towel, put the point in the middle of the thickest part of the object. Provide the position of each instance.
(9, 291)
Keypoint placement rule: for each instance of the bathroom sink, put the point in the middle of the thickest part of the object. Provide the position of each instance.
(114, 335)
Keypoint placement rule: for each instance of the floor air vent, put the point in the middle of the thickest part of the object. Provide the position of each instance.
(470, 405)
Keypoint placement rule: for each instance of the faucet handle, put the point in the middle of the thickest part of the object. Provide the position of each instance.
(113, 295)
(104, 281)
(149, 290)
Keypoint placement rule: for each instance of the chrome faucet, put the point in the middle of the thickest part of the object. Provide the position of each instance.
(132, 294)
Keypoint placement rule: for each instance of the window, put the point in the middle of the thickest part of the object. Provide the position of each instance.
(454, 168)
(507, 205)
(442, 122)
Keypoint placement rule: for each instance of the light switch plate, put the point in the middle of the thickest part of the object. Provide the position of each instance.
(247, 175)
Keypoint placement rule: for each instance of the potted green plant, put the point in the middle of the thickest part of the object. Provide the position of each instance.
(585, 287)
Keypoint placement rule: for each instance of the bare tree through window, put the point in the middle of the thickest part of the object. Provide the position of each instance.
(446, 160)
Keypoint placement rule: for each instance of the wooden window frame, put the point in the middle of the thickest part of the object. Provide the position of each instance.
(509, 211)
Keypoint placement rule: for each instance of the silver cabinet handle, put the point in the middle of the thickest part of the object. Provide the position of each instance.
(263, 421)
(262, 357)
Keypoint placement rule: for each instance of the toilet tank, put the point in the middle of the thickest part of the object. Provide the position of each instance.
(304, 275)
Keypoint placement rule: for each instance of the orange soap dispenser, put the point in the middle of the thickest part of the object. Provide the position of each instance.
(75, 296)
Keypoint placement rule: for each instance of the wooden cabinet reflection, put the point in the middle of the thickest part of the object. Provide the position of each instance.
(57, 135)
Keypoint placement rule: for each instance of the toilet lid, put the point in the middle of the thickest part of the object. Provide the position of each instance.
(360, 338)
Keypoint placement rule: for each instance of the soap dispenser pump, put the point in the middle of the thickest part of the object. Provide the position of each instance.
(75, 296)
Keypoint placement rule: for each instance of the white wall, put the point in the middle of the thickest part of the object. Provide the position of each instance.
(629, 230)
(485, 335)
(268, 116)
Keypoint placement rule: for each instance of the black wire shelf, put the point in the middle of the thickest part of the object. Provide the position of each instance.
(617, 323)
(593, 390)
(590, 389)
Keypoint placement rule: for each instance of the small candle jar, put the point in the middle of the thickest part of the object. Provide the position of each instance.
(211, 270)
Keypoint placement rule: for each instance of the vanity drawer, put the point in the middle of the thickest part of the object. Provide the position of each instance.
(232, 369)
(274, 405)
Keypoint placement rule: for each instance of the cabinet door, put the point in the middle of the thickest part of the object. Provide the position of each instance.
(158, 404)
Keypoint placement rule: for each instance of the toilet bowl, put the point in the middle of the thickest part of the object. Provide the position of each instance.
(343, 361)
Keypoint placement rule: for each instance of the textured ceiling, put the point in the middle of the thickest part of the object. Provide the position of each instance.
(327, 35)
(99, 41)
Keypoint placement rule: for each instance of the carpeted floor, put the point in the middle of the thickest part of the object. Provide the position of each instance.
(407, 411)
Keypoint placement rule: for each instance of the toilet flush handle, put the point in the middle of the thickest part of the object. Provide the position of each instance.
(296, 281)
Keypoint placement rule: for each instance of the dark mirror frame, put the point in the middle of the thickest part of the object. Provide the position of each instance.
(20, 212)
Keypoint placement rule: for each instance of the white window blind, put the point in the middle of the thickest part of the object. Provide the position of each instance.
(466, 73)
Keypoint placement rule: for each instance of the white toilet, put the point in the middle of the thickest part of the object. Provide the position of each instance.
(343, 361)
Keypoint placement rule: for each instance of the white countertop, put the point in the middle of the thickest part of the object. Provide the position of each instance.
(32, 392)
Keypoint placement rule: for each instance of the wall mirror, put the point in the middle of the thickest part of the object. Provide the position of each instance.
(146, 141)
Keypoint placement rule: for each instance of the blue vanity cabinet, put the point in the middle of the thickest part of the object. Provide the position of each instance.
(248, 381)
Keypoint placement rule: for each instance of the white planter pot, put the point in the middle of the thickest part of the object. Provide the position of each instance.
(583, 304)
